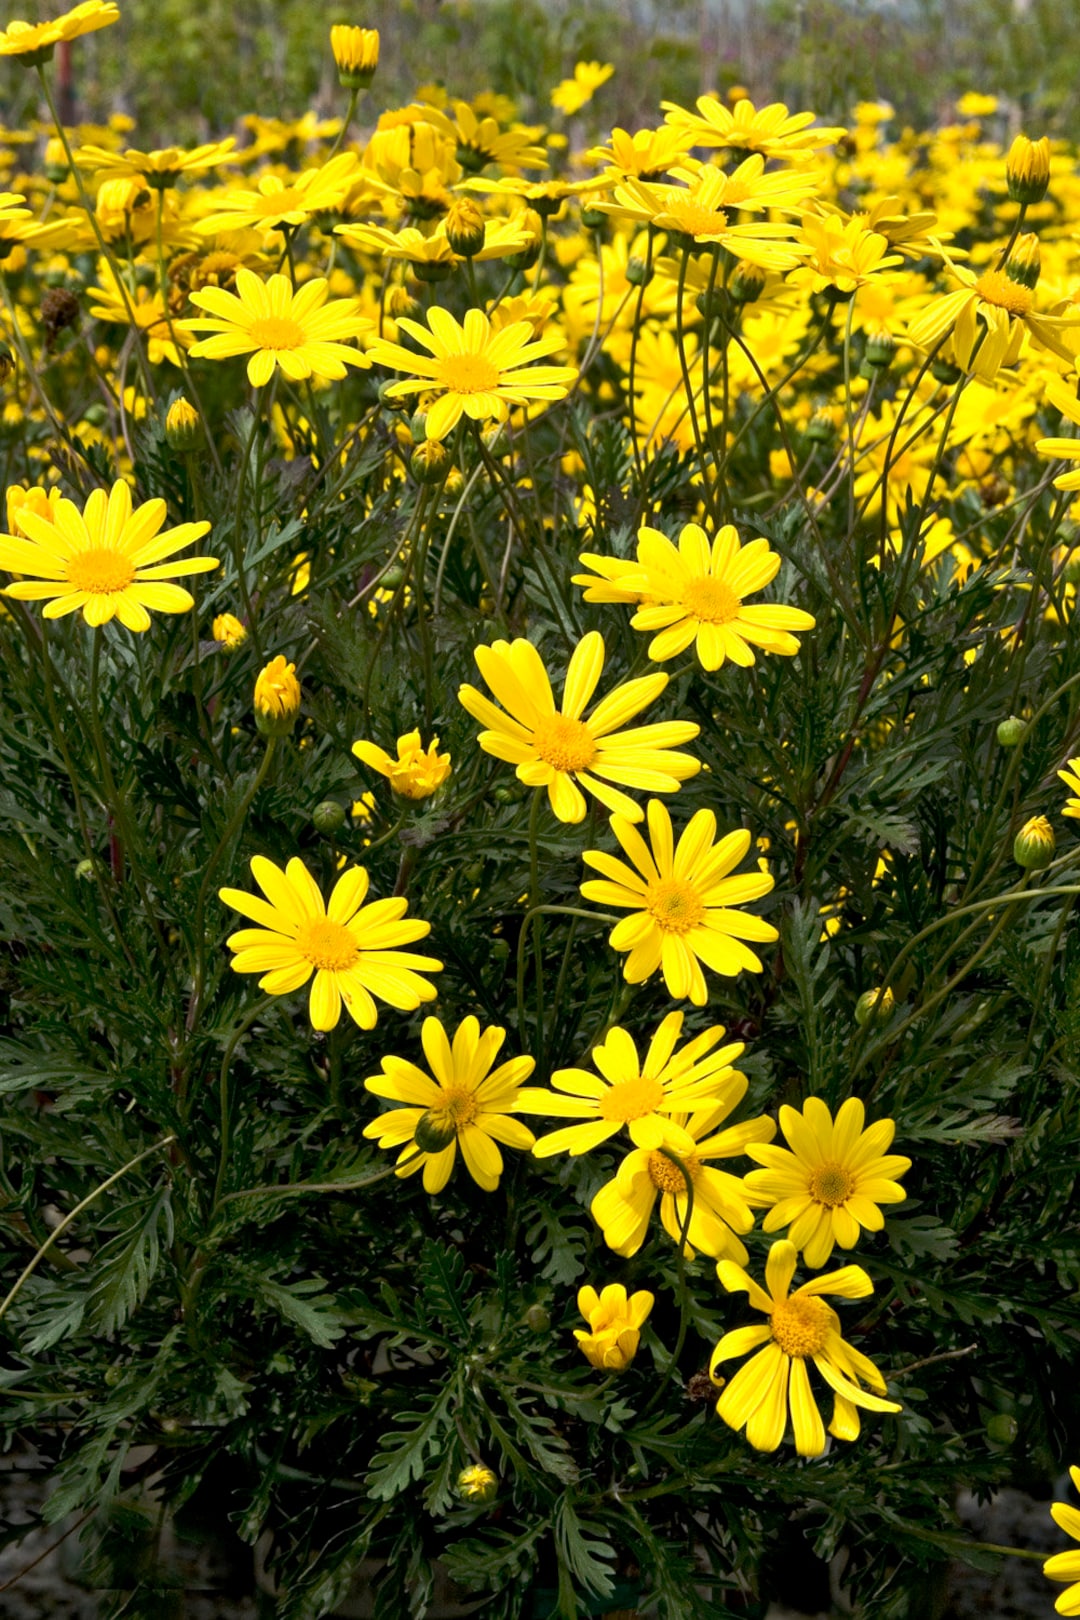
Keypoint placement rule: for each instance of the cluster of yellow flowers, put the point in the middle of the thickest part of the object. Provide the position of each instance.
(707, 259)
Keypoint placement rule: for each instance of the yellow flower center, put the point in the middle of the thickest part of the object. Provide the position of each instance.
(994, 287)
(277, 332)
(468, 373)
(711, 600)
(800, 1325)
(831, 1184)
(101, 570)
(327, 945)
(674, 906)
(631, 1099)
(693, 217)
(567, 744)
(667, 1176)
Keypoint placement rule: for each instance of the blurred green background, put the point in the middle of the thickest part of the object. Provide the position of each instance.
(185, 70)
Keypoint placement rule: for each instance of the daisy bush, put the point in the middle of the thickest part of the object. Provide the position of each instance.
(541, 754)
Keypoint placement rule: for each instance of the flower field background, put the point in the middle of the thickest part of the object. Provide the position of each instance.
(540, 767)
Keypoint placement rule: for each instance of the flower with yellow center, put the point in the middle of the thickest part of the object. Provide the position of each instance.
(296, 330)
(771, 131)
(35, 42)
(1071, 778)
(829, 1185)
(623, 1207)
(611, 1341)
(702, 211)
(108, 559)
(693, 595)
(570, 95)
(1065, 1566)
(479, 140)
(986, 320)
(434, 254)
(161, 168)
(471, 369)
(276, 203)
(350, 947)
(462, 1103)
(557, 748)
(277, 697)
(228, 631)
(416, 773)
(644, 155)
(801, 1328)
(640, 1096)
(356, 54)
(682, 901)
(840, 255)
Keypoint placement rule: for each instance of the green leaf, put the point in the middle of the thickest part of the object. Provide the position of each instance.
(303, 1303)
(128, 1264)
(402, 1455)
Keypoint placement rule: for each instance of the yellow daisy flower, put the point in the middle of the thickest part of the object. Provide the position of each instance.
(570, 95)
(987, 317)
(466, 1104)
(693, 594)
(1071, 779)
(38, 40)
(291, 202)
(350, 947)
(800, 1327)
(682, 901)
(703, 210)
(160, 168)
(278, 325)
(641, 1096)
(771, 131)
(1065, 1566)
(623, 1207)
(557, 749)
(831, 1184)
(416, 773)
(611, 1340)
(108, 559)
(475, 371)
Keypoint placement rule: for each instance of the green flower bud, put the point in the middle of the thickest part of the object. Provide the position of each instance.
(1010, 732)
(1002, 1428)
(874, 1004)
(435, 1130)
(429, 462)
(1034, 845)
(329, 816)
(538, 1319)
(477, 1483)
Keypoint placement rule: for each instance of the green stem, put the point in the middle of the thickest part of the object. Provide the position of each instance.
(235, 1038)
(684, 1298)
(62, 1226)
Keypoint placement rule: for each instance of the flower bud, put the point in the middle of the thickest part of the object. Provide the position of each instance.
(747, 283)
(465, 227)
(529, 220)
(592, 218)
(500, 950)
(1002, 1428)
(418, 427)
(880, 348)
(639, 272)
(943, 371)
(328, 817)
(356, 52)
(392, 402)
(435, 1130)
(821, 429)
(56, 163)
(1034, 845)
(538, 1319)
(277, 698)
(1027, 169)
(1011, 731)
(432, 270)
(183, 425)
(84, 869)
(400, 301)
(876, 1003)
(429, 462)
(477, 1483)
(228, 632)
(1025, 261)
